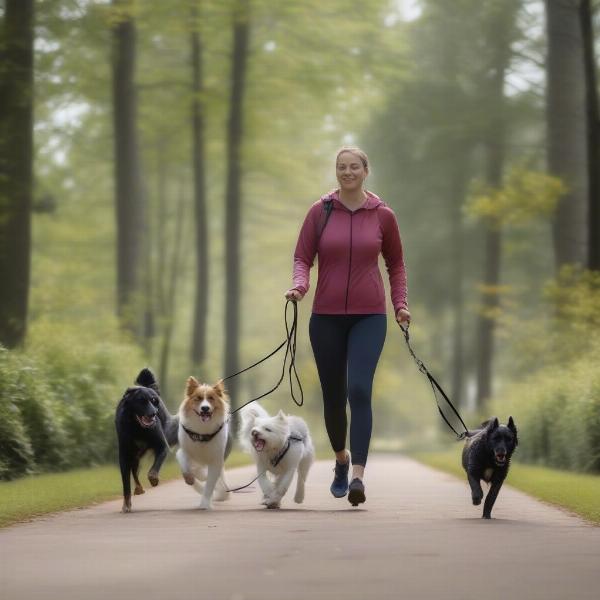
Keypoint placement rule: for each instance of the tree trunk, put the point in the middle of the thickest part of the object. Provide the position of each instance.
(198, 345)
(16, 168)
(233, 193)
(161, 229)
(593, 139)
(566, 124)
(176, 268)
(458, 189)
(130, 212)
(495, 151)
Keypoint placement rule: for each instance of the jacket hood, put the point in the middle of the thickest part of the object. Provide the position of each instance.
(373, 200)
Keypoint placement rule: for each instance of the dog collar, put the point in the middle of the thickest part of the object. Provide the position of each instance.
(275, 461)
(201, 437)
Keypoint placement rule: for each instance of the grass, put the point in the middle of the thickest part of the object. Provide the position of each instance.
(39, 495)
(575, 492)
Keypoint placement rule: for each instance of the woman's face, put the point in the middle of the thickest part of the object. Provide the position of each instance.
(350, 171)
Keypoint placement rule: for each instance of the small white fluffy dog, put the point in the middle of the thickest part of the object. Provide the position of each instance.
(202, 435)
(280, 445)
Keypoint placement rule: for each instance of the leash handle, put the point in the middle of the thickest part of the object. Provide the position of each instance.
(436, 386)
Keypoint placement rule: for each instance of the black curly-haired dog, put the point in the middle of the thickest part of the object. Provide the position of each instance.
(486, 456)
(143, 423)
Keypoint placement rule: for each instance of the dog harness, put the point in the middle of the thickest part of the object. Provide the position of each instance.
(201, 437)
(275, 461)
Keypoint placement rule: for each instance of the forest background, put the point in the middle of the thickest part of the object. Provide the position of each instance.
(157, 160)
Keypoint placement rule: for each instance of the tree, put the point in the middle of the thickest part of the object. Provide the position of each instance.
(501, 27)
(593, 134)
(425, 144)
(16, 168)
(130, 210)
(241, 30)
(198, 161)
(566, 126)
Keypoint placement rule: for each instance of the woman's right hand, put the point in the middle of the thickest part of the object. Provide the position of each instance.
(294, 294)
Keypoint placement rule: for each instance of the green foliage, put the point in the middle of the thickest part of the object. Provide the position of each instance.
(526, 195)
(57, 400)
(16, 453)
(556, 403)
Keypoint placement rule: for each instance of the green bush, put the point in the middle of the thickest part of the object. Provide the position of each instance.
(557, 406)
(58, 398)
(16, 452)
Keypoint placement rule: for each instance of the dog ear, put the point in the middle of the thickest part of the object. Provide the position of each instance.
(281, 415)
(513, 428)
(219, 387)
(147, 379)
(192, 385)
(128, 393)
(492, 424)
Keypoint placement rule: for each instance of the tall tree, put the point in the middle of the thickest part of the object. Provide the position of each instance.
(16, 168)
(130, 212)
(586, 12)
(566, 125)
(198, 160)
(241, 30)
(501, 27)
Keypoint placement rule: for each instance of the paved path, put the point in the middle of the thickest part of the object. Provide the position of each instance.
(418, 537)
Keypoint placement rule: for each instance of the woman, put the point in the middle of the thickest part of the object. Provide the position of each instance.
(348, 229)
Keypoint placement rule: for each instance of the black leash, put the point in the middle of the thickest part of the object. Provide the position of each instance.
(237, 489)
(290, 350)
(435, 386)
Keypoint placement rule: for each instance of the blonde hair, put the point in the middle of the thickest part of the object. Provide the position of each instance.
(364, 159)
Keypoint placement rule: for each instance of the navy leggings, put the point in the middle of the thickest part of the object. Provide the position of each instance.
(347, 349)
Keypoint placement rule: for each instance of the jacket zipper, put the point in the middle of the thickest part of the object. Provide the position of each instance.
(349, 263)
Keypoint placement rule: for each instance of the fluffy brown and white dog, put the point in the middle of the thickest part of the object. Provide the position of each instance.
(203, 432)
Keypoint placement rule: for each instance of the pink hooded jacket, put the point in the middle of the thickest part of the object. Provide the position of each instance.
(349, 280)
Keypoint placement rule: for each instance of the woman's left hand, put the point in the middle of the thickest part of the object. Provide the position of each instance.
(403, 317)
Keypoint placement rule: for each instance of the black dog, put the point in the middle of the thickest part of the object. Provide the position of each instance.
(486, 456)
(143, 423)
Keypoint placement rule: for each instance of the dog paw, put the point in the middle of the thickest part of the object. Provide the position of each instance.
(126, 506)
(299, 498)
(204, 505)
(139, 490)
(274, 505)
(486, 516)
(477, 500)
(153, 478)
(189, 478)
